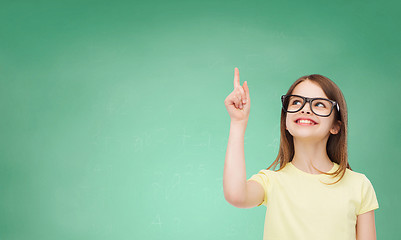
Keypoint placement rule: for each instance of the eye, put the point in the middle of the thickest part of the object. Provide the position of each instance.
(321, 104)
(296, 101)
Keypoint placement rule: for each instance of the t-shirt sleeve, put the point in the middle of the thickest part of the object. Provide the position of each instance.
(368, 198)
(262, 178)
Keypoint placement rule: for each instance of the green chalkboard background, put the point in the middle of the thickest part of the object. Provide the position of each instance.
(113, 124)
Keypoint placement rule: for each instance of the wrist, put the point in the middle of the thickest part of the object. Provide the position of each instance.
(242, 123)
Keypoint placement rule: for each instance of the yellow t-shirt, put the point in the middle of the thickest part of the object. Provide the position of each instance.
(300, 207)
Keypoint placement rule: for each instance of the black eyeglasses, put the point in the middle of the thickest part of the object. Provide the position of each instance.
(319, 106)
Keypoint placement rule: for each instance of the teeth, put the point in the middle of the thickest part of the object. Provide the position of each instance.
(305, 121)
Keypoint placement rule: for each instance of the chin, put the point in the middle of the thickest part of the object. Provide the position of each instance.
(307, 135)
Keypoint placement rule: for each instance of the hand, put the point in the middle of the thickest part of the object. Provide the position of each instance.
(238, 102)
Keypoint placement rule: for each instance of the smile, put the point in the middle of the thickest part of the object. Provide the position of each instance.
(305, 123)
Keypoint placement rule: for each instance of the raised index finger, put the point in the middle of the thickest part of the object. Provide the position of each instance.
(236, 78)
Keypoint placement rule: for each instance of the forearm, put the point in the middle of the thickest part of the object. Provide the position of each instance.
(234, 176)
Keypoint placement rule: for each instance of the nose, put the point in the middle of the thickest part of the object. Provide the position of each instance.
(306, 108)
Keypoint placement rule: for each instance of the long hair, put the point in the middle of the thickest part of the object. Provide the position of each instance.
(336, 146)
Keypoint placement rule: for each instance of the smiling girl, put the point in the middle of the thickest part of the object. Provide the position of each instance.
(314, 194)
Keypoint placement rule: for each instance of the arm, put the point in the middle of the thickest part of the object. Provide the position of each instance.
(237, 191)
(365, 226)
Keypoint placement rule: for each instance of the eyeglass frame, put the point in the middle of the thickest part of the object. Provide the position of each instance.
(306, 99)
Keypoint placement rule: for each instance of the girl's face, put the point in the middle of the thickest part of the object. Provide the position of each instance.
(323, 127)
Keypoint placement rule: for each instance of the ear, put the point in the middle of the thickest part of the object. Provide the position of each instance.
(336, 127)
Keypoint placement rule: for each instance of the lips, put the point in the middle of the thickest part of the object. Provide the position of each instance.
(305, 122)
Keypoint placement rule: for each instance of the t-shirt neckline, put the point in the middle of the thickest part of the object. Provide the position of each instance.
(310, 174)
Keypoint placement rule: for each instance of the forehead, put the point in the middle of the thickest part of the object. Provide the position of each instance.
(310, 89)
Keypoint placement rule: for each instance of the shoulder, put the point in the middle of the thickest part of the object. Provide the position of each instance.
(364, 191)
(355, 176)
(264, 177)
(265, 173)
(273, 174)
(356, 179)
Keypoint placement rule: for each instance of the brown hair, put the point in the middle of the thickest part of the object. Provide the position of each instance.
(336, 146)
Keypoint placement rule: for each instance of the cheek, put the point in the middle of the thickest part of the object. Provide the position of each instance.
(327, 126)
(287, 121)
(331, 121)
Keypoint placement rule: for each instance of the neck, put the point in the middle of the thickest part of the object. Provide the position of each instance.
(308, 153)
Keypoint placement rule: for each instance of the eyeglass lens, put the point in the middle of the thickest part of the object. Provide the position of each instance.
(319, 106)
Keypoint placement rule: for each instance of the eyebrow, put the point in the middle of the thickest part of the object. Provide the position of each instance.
(309, 97)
